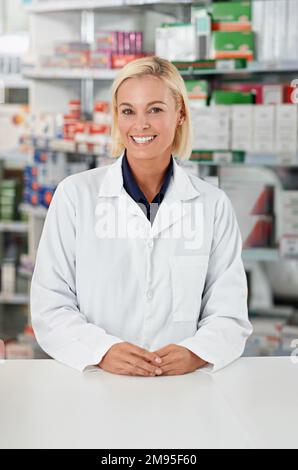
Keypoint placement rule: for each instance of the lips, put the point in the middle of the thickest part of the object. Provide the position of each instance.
(143, 140)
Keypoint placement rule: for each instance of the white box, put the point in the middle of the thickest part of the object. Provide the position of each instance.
(161, 42)
(281, 25)
(242, 127)
(267, 44)
(292, 31)
(211, 127)
(289, 213)
(263, 128)
(258, 20)
(272, 94)
(176, 42)
(286, 128)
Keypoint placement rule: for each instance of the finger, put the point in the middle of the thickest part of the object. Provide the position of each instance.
(161, 352)
(144, 354)
(170, 367)
(166, 350)
(169, 362)
(137, 371)
(128, 369)
(142, 372)
(170, 358)
(139, 363)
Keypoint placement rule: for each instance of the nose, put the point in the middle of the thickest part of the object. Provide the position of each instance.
(141, 122)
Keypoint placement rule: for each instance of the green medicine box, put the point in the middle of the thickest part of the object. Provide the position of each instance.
(232, 45)
(231, 16)
(196, 89)
(231, 97)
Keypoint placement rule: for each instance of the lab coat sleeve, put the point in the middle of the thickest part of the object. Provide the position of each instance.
(223, 326)
(61, 330)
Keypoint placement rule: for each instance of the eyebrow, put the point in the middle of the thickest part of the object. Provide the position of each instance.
(148, 104)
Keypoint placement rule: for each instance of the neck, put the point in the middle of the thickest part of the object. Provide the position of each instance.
(149, 173)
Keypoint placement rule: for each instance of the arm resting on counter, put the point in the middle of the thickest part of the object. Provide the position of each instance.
(61, 329)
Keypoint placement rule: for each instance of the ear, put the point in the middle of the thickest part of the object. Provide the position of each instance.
(182, 114)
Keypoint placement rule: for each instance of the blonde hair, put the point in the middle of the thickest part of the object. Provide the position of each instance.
(168, 73)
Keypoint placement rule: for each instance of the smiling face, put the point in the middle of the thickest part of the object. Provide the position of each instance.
(147, 117)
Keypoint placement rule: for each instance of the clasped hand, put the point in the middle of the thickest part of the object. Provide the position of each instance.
(128, 359)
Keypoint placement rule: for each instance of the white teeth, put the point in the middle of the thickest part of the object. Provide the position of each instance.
(140, 140)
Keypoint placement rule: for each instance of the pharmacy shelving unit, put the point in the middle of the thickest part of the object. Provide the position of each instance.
(51, 89)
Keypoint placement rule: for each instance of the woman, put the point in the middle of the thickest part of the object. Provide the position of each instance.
(139, 269)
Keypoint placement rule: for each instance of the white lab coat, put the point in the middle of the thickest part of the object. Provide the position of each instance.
(104, 274)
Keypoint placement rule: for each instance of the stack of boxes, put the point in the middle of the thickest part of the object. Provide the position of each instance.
(275, 23)
(263, 30)
(211, 127)
(114, 49)
(71, 54)
(49, 168)
(258, 130)
(55, 137)
(111, 49)
(88, 135)
(232, 35)
(221, 31)
(289, 224)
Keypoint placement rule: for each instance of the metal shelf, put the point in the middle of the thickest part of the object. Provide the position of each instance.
(69, 74)
(14, 226)
(15, 159)
(68, 146)
(63, 5)
(14, 298)
(252, 67)
(14, 81)
(110, 74)
(243, 164)
(37, 211)
(25, 273)
(260, 254)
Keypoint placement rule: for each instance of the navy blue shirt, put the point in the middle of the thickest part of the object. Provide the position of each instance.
(132, 188)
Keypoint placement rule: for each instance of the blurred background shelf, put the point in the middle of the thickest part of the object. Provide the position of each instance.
(17, 299)
(13, 226)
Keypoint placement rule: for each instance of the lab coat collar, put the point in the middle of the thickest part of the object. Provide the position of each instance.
(173, 208)
(180, 187)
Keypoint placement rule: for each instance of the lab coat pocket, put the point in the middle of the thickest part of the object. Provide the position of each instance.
(188, 274)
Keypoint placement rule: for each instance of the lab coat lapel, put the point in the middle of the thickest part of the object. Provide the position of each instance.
(172, 209)
(176, 203)
(127, 212)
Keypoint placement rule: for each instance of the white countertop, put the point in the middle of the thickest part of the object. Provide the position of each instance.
(251, 403)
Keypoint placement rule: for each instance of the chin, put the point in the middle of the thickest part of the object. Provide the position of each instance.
(142, 153)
